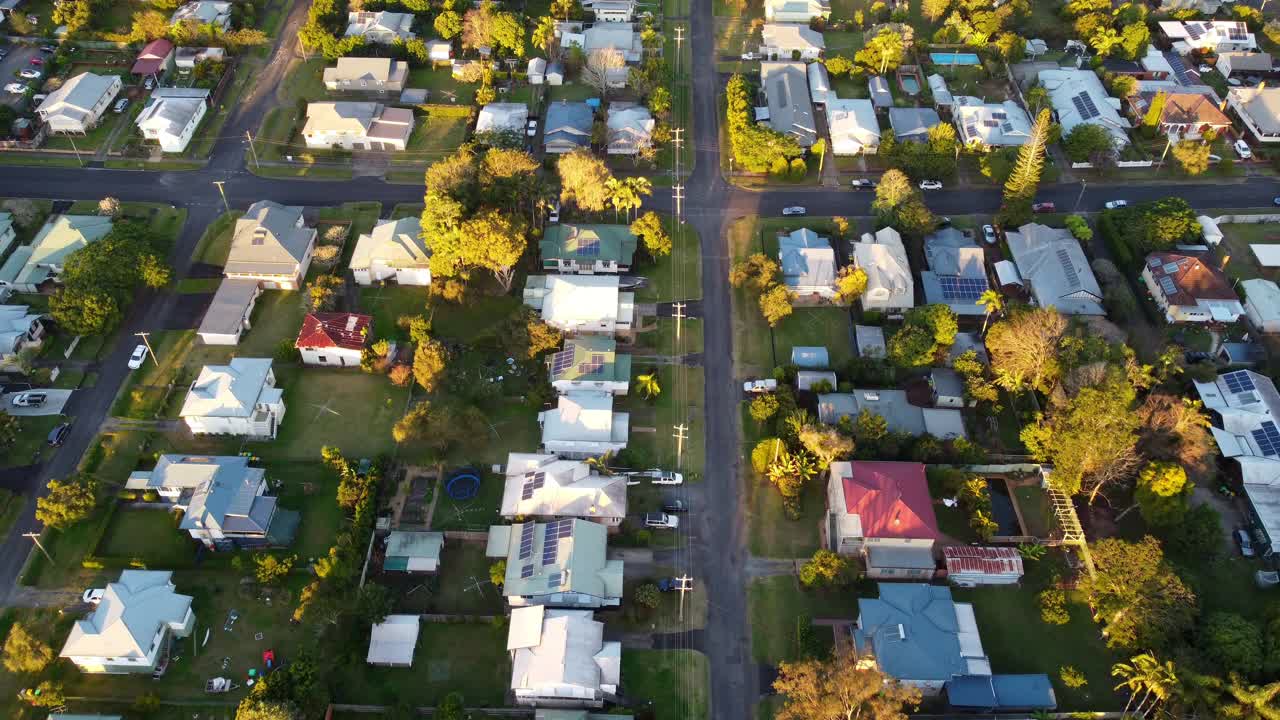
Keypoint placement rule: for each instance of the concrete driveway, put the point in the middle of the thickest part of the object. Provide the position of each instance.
(19, 58)
(52, 406)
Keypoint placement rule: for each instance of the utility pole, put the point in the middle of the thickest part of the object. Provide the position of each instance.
(685, 585)
(75, 150)
(1084, 184)
(680, 437)
(677, 192)
(223, 193)
(35, 538)
(147, 341)
(252, 149)
(679, 316)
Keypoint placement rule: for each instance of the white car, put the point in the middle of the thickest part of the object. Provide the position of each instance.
(554, 215)
(750, 56)
(28, 399)
(989, 234)
(930, 185)
(29, 74)
(93, 596)
(120, 105)
(663, 477)
(1242, 149)
(863, 184)
(792, 210)
(532, 129)
(15, 88)
(138, 357)
(1116, 204)
(661, 520)
(1205, 69)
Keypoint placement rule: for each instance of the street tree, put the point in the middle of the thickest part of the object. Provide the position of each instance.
(776, 304)
(1020, 188)
(1089, 143)
(496, 242)
(24, 652)
(898, 204)
(841, 688)
(1192, 156)
(824, 569)
(647, 385)
(653, 236)
(67, 502)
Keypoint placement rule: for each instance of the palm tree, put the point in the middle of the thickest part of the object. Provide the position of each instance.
(647, 385)
(1146, 674)
(600, 464)
(993, 302)
(1254, 702)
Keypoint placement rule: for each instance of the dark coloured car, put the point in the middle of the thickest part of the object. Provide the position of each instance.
(674, 505)
(1245, 541)
(1044, 207)
(667, 584)
(58, 435)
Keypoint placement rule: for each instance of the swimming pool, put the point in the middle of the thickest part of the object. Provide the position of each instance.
(910, 84)
(954, 58)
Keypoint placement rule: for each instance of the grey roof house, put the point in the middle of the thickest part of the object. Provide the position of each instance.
(1051, 260)
(879, 89)
(228, 314)
(892, 405)
(912, 123)
(545, 486)
(239, 398)
(361, 74)
(567, 127)
(957, 274)
(130, 629)
(786, 86)
(561, 563)
(808, 263)
(270, 244)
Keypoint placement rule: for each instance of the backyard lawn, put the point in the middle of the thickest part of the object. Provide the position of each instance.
(1236, 241)
(777, 606)
(311, 489)
(462, 586)
(441, 86)
(673, 683)
(325, 407)
(215, 244)
(149, 535)
(479, 512)
(771, 532)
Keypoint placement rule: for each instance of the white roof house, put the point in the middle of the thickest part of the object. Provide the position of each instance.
(883, 257)
(1216, 35)
(786, 87)
(559, 658)
(380, 27)
(77, 106)
(204, 12)
(172, 115)
(561, 563)
(819, 83)
(796, 11)
(808, 263)
(1079, 97)
(583, 424)
(239, 398)
(394, 249)
(581, 303)
(129, 627)
(545, 486)
(357, 126)
(366, 74)
(18, 325)
(853, 126)
(630, 128)
(614, 11)
(1259, 109)
(783, 40)
(1003, 124)
(392, 641)
(1051, 262)
(503, 118)
(614, 36)
(1262, 304)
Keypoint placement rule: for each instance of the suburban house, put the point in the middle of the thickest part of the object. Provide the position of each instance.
(270, 244)
(381, 27)
(898, 412)
(990, 125)
(1262, 304)
(1079, 97)
(790, 111)
(1001, 694)
(581, 303)
(186, 58)
(413, 552)
(1243, 407)
(614, 11)
(30, 266)
(559, 659)
(590, 363)
(796, 11)
(630, 128)
(357, 126)
(204, 12)
(225, 502)
(439, 51)
(239, 398)
(393, 251)
(587, 249)
(560, 563)
(228, 315)
(19, 326)
(882, 511)
(853, 126)
(334, 339)
(505, 117)
(1217, 35)
(883, 257)
(1186, 114)
(1051, 261)
(172, 115)
(790, 41)
(367, 74)
(393, 641)
(1189, 290)
(1243, 62)
(1259, 110)
(129, 631)
(957, 274)
(918, 635)
(76, 107)
(567, 127)
(545, 487)
(583, 424)
(913, 124)
(878, 88)
(155, 61)
(808, 264)
(619, 37)
(971, 566)
(947, 388)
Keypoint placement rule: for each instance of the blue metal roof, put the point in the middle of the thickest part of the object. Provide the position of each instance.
(1001, 692)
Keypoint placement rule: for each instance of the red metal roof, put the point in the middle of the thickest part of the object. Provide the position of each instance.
(891, 500)
(340, 330)
(152, 58)
(1192, 279)
(986, 560)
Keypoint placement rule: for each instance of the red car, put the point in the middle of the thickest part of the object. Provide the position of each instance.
(1044, 207)
(37, 61)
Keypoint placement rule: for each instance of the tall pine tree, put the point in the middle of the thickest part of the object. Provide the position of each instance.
(1020, 188)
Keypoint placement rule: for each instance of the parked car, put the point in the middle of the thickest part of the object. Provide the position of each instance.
(15, 88)
(1044, 207)
(663, 477)
(149, 84)
(989, 234)
(29, 74)
(38, 98)
(37, 61)
(930, 184)
(28, 399)
(1242, 149)
(1243, 539)
(1275, 201)
(759, 386)
(554, 215)
(667, 584)
(48, 49)
(138, 357)
(750, 56)
(661, 520)
(1197, 356)
(1116, 204)
(862, 184)
(3, 53)
(58, 435)
(1205, 69)
(532, 129)
(793, 210)
(93, 596)
(674, 505)
(120, 105)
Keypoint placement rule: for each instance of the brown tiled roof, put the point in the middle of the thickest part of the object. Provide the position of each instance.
(1192, 279)
(1192, 109)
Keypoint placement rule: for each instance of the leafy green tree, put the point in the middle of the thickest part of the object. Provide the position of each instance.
(660, 101)
(826, 444)
(1079, 228)
(1072, 677)
(257, 708)
(1025, 349)
(1090, 143)
(430, 361)
(447, 24)
(882, 53)
(755, 147)
(838, 65)
(1136, 596)
(68, 501)
(647, 596)
(1020, 188)
(758, 272)
(24, 652)
(648, 386)
(851, 283)
(271, 570)
(374, 603)
(825, 568)
(584, 180)
(498, 573)
(898, 204)
(653, 236)
(1053, 607)
(1145, 674)
(1192, 156)
(1232, 643)
(763, 408)
(1163, 494)
(840, 688)
(775, 304)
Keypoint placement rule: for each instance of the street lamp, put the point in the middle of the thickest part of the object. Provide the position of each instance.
(223, 193)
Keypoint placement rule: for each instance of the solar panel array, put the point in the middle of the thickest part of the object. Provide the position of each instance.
(589, 248)
(1179, 68)
(526, 541)
(1170, 268)
(1153, 262)
(592, 366)
(1006, 126)
(1068, 270)
(526, 572)
(551, 536)
(1084, 105)
(1238, 381)
(561, 361)
(1195, 30)
(971, 131)
(962, 288)
(1268, 438)
(1166, 284)
(1237, 31)
(1000, 115)
(533, 481)
(553, 580)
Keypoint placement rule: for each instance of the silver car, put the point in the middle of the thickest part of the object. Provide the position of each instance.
(793, 210)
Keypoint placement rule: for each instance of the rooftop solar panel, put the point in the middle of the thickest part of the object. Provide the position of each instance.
(526, 572)
(1239, 381)
(1268, 438)
(1068, 270)
(962, 288)
(1167, 286)
(561, 361)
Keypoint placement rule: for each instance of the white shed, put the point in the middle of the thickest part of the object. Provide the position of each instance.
(969, 566)
(392, 641)
(1262, 304)
(537, 71)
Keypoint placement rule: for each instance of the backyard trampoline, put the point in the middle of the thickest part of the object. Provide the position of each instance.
(463, 484)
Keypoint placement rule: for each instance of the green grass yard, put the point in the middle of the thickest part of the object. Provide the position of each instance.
(676, 276)
(778, 604)
(1236, 241)
(215, 244)
(32, 440)
(675, 684)
(311, 489)
(150, 536)
(323, 408)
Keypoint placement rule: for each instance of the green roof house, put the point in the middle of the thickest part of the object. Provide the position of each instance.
(587, 249)
(31, 265)
(591, 362)
(414, 552)
(561, 563)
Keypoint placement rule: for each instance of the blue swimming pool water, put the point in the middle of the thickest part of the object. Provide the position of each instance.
(946, 58)
(911, 85)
